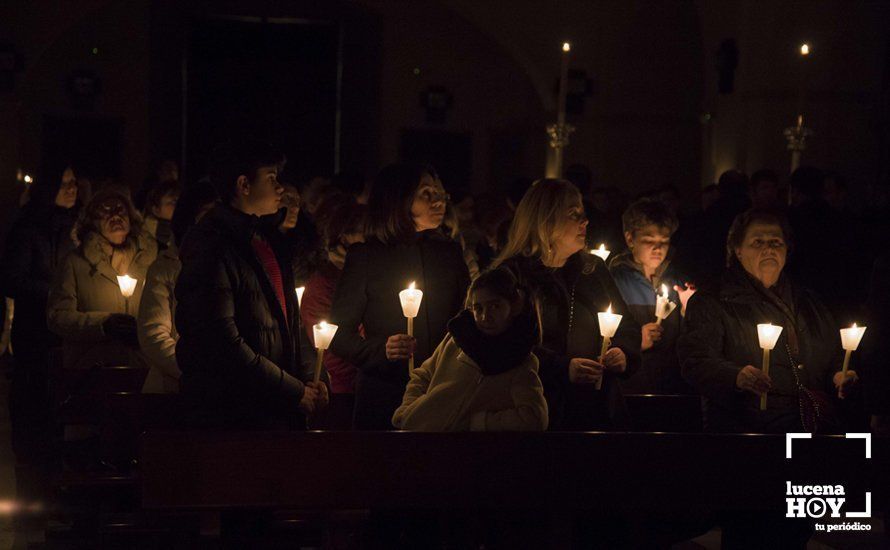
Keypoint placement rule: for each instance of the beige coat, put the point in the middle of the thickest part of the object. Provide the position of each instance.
(156, 326)
(450, 393)
(85, 293)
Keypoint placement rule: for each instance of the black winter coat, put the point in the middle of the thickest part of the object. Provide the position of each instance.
(36, 245)
(570, 298)
(720, 337)
(237, 352)
(368, 295)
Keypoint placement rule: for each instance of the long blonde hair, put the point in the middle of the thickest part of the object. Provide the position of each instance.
(537, 223)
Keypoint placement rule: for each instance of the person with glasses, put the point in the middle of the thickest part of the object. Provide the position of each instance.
(404, 243)
(546, 253)
(86, 307)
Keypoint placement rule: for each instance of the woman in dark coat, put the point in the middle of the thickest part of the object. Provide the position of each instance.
(545, 253)
(720, 352)
(404, 243)
(39, 240)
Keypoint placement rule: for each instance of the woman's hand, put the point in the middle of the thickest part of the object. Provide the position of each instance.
(584, 371)
(399, 346)
(615, 361)
(652, 332)
(685, 294)
(845, 384)
(321, 398)
(309, 399)
(754, 380)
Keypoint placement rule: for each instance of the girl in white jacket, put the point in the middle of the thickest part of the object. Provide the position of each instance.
(483, 376)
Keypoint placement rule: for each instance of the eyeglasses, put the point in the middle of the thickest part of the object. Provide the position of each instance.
(110, 209)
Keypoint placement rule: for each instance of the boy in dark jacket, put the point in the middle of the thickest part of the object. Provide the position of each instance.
(239, 337)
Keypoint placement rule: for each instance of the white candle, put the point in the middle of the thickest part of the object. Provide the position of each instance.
(850, 338)
(563, 84)
(127, 285)
(601, 252)
(410, 299)
(663, 305)
(322, 333)
(300, 290)
(608, 322)
(768, 335)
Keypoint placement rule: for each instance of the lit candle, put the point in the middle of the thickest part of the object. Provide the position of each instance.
(850, 338)
(127, 285)
(300, 290)
(768, 335)
(663, 305)
(563, 84)
(601, 251)
(322, 333)
(608, 322)
(802, 92)
(410, 299)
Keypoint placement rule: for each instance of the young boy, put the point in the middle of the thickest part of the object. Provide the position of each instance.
(641, 273)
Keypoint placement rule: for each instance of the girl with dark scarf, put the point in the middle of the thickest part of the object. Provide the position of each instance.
(483, 376)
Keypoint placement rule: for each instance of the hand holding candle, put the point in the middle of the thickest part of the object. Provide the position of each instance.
(663, 305)
(322, 333)
(410, 299)
(768, 335)
(601, 252)
(608, 322)
(850, 338)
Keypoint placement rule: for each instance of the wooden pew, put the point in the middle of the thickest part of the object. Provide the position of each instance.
(692, 474)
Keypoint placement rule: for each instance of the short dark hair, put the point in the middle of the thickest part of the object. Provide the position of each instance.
(746, 219)
(191, 200)
(389, 206)
(237, 158)
(648, 212)
(764, 174)
(157, 192)
(339, 214)
(808, 181)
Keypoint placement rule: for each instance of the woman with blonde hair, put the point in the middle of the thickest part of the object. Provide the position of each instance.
(545, 252)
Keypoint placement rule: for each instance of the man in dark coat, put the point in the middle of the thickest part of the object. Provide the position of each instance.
(238, 348)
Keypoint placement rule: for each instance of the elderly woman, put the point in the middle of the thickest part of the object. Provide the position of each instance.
(85, 305)
(719, 349)
(545, 253)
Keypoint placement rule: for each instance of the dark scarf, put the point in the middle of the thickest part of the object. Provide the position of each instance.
(495, 354)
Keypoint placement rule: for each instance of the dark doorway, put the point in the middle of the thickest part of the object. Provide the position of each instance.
(274, 80)
(92, 143)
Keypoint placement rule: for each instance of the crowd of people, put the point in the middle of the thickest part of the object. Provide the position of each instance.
(508, 332)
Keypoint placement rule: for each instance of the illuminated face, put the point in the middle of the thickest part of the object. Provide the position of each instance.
(113, 220)
(67, 195)
(428, 208)
(263, 195)
(572, 231)
(493, 314)
(649, 245)
(166, 206)
(290, 199)
(763, 252)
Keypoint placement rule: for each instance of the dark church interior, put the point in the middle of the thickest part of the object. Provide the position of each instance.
(444, 274)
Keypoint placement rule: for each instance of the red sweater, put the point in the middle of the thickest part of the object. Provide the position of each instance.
(316, 306)
(266, 256)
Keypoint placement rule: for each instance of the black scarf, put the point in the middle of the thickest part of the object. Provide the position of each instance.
(495, 354)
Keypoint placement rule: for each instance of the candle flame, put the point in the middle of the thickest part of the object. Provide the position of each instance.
(566, 46)
(854, 325)
(411, 286)
(28, 179)
(609, 309)
(804, 49)
(323, 325)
